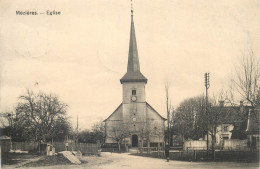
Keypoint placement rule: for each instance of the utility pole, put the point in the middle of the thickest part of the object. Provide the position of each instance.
(168, 126)
(77, 129)
(168, 113)
(207, 112)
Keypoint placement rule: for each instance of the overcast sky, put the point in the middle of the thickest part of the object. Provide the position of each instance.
(81, 54)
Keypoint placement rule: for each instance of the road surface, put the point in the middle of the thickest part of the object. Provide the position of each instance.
(126, 161)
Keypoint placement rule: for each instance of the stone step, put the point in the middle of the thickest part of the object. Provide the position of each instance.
(73, 159)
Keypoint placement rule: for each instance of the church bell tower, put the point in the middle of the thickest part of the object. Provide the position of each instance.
(133, 83)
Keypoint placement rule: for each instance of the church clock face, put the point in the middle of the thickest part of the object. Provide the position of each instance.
(133, 98)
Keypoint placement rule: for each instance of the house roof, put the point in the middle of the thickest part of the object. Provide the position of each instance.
(232, 114)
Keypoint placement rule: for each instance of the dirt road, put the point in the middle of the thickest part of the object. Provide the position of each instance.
(126, 161)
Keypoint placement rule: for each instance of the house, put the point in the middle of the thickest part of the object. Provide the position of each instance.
(230, 121)
(252, 129)
(238, 123)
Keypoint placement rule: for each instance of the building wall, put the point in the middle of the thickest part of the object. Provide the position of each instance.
(134, 119)
(222, 134)
(195, 145)
(147, 122)
(155, 125)
(235, 144)
(127, 91)
(114, 121)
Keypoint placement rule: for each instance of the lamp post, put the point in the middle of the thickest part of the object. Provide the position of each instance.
(207, 113)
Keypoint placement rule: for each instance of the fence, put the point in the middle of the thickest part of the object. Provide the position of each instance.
(24, 146)
(5, 146)
(233, 144)
(85, 148)
(190, 155)
(198, 154)
(113, 148)
(201, 155)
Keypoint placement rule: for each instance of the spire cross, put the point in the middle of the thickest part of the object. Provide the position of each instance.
(132, 11)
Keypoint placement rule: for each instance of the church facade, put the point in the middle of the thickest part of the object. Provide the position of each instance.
(134, 122)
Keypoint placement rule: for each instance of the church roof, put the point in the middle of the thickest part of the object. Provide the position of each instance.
(113, 112)
(133, 73)
(146, 105)
(133, 77)
(156, 112)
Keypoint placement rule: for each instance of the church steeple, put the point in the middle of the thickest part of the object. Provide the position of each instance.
(133, 60)
(133, 73)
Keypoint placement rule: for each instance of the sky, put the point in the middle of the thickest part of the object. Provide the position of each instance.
(81, 54)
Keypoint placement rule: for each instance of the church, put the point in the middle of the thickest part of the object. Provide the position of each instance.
(134, 122)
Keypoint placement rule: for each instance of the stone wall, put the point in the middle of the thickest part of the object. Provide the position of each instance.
(195, 145)
(235, 144)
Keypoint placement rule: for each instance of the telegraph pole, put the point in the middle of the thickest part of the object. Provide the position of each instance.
(168, 125)
(77, 129)
(207, 112)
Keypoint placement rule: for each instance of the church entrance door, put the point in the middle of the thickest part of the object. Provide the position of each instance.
(134, 140)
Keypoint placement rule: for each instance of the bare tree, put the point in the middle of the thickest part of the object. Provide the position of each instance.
(217, 115)
(145, 134)
(246, 82)
(39, 112)
(157, 132)
(119, 133)
(169, 109)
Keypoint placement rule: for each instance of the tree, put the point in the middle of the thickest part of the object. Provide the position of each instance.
(37, 115)
(95, 135)
(157, 133)
(217, 115)
(86, 136)
(99, 129)
(246, 82)
(168, 109)
(190, 118)
(61, 129)
(118, 134)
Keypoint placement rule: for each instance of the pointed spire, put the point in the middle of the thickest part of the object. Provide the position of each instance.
(133, 67)
(132, 11)
(133, 60)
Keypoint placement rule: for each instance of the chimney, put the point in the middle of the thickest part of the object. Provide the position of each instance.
(221, 103)
(241, 106)
(241, 103)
